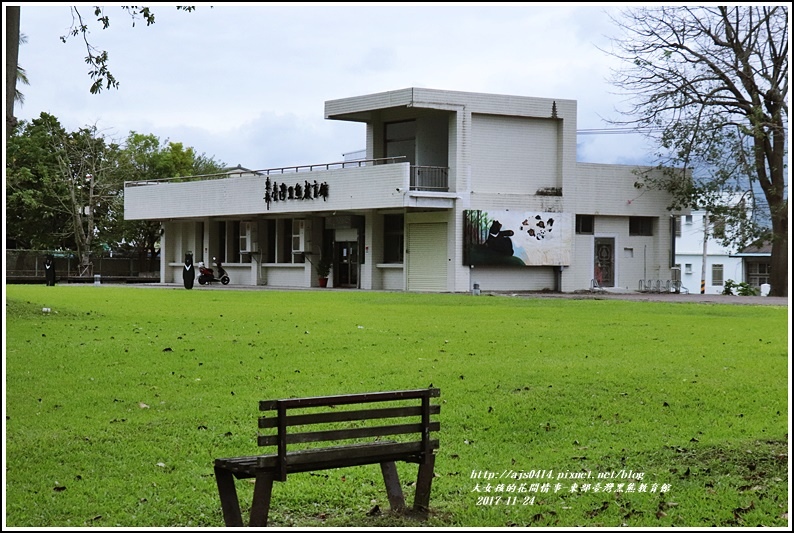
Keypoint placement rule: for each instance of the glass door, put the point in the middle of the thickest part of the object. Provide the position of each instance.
(346, 264)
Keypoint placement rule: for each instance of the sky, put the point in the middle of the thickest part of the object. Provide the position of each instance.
(247, 83)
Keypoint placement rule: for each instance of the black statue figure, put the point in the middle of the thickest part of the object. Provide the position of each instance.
(188, 274)
(49, 270)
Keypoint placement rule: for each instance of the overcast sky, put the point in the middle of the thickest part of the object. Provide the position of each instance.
(247, 83)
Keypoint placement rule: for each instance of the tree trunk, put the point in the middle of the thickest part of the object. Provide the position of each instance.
(12, 63)
(85, 265)
(778, 275)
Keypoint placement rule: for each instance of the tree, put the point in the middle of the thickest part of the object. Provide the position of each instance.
(34, 218)
(89, 170)
(714, 82)
(98, 60)
(65, 190)
(22, 76)
(146, 158)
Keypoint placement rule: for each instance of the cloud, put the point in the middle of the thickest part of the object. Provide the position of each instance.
(247, 83)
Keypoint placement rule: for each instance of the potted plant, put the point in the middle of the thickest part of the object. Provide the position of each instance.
(323, 268)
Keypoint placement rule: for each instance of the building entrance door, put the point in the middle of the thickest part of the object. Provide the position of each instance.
(346, 264)
(604, 261)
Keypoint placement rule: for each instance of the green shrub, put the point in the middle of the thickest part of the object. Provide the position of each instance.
(742, 289)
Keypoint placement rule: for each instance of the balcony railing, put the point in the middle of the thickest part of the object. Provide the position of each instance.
(424, 178)
(271, 171)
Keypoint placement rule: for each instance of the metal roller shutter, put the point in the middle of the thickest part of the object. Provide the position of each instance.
(427, 257)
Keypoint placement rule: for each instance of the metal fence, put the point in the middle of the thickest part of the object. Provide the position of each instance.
(30, 264)
(424, 178)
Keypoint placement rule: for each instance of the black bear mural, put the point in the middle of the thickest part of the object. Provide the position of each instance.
(499, 241)
(521, 238)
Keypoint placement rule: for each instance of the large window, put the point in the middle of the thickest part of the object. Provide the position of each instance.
(716, 275)
(641, 226)
(393, 238)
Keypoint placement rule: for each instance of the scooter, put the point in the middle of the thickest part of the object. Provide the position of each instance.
(207, 275)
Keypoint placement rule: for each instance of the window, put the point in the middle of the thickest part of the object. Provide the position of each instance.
(688, 268)
(585, 224)
(296, 238)
(393, 238)
(641, 226)
(400, 140)
(248, 239)
(716, 275)
(757, 273)
(285, 239)
(688, 220)
(244, 230)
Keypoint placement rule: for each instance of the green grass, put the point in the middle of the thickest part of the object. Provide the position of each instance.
(120, 398)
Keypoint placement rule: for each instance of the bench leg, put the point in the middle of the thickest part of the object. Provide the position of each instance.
(260, 507)
(393, 490)
(423, 481)
(228, 494)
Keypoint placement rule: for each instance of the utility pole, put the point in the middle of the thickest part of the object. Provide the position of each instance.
(705, 256)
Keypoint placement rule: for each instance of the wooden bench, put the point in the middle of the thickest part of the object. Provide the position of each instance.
(323, 432)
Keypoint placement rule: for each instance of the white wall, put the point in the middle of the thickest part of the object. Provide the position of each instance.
(689, 251)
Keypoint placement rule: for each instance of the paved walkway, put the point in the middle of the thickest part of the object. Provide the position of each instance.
(659, 297)
(581, 295)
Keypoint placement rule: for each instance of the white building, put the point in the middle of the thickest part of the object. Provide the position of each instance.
(750, 265)
(456, 189)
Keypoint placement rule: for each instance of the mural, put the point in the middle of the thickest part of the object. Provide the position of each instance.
(522, 238)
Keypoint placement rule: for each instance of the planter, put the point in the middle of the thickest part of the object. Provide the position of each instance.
(323, 282)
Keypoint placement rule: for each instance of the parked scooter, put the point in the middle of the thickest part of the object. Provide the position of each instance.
(207, 275)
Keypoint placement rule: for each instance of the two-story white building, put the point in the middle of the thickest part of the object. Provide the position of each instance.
(457, 189)
(705, 267)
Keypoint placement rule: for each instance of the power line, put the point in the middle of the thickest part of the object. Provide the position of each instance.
(617, 131)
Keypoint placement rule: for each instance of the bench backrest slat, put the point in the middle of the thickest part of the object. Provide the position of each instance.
(347, 434)
(367, 397)
(344, 416)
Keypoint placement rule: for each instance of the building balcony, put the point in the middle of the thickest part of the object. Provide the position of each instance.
(348, 185)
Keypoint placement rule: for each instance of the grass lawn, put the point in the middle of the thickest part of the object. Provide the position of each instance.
(555, 412)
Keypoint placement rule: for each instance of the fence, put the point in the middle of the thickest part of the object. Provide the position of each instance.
(29, 265)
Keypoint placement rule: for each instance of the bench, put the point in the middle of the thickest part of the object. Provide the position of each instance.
(324, 432)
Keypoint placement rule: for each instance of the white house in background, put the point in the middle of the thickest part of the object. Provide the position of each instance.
(454, 190)
(750, 265)
(721, 264)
